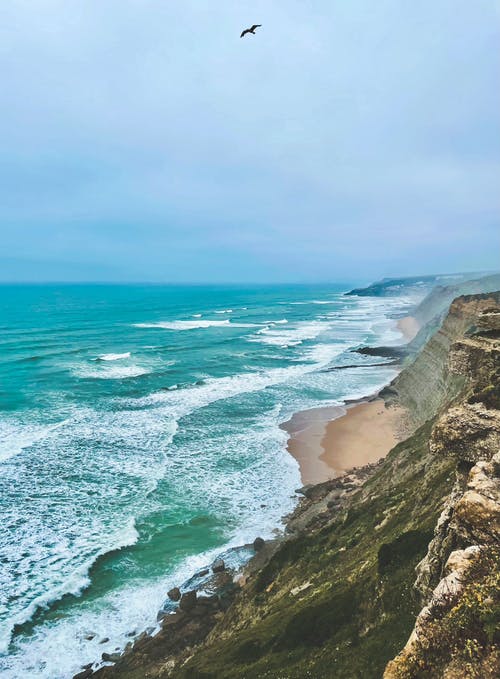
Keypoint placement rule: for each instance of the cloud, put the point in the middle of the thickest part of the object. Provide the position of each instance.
(344, 136)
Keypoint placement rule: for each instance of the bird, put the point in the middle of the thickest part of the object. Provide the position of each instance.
(250, 30)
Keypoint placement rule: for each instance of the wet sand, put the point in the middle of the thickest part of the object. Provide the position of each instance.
(326, 442)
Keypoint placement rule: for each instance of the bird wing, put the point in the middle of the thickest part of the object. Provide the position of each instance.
(247, 30)
(255, 26)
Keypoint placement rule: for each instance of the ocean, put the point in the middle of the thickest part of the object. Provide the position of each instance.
(140, 438)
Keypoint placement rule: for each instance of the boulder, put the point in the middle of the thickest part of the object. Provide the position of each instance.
(202, 573)
(174, 594)
(110, 657)
(307, 491)
(219, 582)
(218, 566)
(84, 675)
(258, 543)
(208, 601)
(188, 600)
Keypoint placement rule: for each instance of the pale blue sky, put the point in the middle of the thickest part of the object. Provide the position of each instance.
(347, 140)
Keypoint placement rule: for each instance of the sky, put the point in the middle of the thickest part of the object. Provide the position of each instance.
(143, 140)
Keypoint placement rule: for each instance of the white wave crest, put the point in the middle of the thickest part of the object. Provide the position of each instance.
(113, 357)
(289, 337)
(313, 301)
(183, 325)
(74, 584)
(182, 402)
(193, 325)
(113, 372)
(16, 436)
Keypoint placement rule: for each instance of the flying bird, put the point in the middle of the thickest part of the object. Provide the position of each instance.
(250, 30)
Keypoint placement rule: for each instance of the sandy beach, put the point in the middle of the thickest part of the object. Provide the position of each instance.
(326, 442)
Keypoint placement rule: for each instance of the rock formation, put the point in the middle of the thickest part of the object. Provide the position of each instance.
(453, 575)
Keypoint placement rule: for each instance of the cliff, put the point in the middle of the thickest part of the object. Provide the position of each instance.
(428, 382)
(431, 311)
(391, 570)
(457, 632)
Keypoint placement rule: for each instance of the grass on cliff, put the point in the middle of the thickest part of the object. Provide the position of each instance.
(358, 606)
(473, 616)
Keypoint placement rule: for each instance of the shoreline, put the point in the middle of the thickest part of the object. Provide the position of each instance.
(337, 449)
(194, 608)
(330, 441)
(191, 609)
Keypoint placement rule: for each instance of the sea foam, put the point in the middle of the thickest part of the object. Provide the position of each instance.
(291, 336)
(113, 357)
(115, 372)
(183, 325)
(73, 584)
(16, 436)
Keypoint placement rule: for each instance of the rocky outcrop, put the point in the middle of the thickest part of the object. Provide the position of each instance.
(432, 381)
(471, 519)
(452, 574)
(437, 303)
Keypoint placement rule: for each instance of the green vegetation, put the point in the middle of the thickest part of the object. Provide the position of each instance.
(465, 633)
(489, 395)
(359, 608)
(391, 555)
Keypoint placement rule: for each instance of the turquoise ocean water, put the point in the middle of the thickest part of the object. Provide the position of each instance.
(139, 438)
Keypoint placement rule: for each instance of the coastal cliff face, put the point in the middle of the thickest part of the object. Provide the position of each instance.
(429, 382)
(457, 632)
(392, 570)
(432, 310)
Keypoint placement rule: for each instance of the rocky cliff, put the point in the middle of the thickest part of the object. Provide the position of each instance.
(391, 569)
(429, 314)
(428, 383)
(457, 632)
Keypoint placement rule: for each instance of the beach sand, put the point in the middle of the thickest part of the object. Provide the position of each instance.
(409, 326)
(326, 442)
